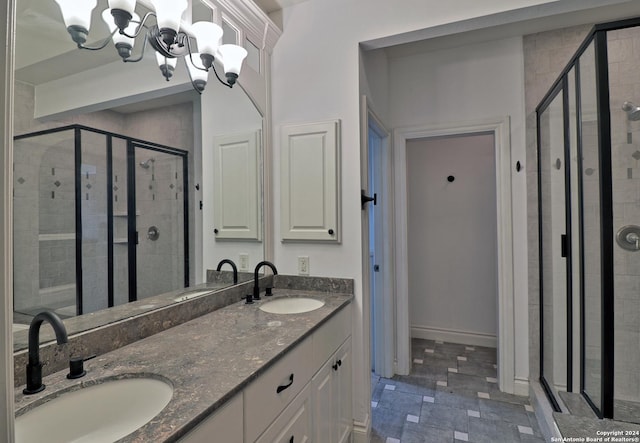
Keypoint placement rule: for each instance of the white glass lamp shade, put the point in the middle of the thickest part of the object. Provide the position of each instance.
(208, 36)
(169, 13)
(130, 30)
(232, 57)
(125, 5)
(196, 68)
(162, 60)
(77, 12)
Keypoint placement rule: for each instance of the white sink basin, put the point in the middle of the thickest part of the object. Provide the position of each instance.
(101, 413)
(291, 305)
(194, 294)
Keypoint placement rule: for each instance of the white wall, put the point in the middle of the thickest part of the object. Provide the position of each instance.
(452, 239)
(464, 84)
(315, 77)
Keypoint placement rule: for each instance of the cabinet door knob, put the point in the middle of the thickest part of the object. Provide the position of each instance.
(215, 231)
(339, 362)
(330, 231)
(335, 366)
(283, 387)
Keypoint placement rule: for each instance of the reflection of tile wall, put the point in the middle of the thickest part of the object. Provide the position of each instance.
(624, 65)
(160, 204)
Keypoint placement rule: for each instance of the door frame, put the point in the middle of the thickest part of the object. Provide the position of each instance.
(500, 127)
(384, 306)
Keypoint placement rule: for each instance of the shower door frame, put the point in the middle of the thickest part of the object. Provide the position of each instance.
(597, 36)
(560, 89)
(132, 231)
(132, 234)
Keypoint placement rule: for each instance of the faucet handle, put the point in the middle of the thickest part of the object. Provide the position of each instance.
(249, 298)
(268, 291)
(76, 368)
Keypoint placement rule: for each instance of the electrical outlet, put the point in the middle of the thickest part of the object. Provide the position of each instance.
(244, 262)
(303, 265)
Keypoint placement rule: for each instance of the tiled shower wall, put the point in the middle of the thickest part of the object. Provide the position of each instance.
(624, 79)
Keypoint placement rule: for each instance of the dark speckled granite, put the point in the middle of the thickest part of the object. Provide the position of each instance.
(112, 330)
(320, 284)
(207, 360)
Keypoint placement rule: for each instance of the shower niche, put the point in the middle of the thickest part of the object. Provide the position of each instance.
(588, 132)
(85, 201)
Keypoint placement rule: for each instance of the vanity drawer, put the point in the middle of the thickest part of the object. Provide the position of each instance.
(294, 424)
(262, 401)
(331, 335)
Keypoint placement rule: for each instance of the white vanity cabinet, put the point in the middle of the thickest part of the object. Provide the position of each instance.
(224, 425)
(305, 396)
(331, 392)
(322, 411)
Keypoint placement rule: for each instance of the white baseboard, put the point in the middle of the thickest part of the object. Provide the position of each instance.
(361, 430)
(455, 336)
(521, 386)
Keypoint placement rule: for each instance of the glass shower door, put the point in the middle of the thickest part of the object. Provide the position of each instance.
(553, 247)
(160, 221)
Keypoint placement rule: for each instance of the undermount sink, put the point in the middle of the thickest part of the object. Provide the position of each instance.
(291, 305)
(104, 412)
(190, 295)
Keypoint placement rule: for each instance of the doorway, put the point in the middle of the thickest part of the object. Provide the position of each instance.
(505, 339)
(452, 238)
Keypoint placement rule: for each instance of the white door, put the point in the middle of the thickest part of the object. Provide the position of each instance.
(380, 248)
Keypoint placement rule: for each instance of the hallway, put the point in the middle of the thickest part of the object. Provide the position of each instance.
(451, 396)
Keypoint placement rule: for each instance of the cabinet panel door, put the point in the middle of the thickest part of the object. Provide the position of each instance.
(225, 425)
(324, 407)
(342, 386)
(310, 182)
(294, 424)
(237, 187)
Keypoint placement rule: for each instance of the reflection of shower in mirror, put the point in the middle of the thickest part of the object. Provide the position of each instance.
(633, 111)
(145, 164)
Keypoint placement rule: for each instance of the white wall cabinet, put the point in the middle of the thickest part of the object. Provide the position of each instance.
(237, 188)
(310, 182)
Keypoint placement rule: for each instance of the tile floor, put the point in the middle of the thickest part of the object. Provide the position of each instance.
(451, 396)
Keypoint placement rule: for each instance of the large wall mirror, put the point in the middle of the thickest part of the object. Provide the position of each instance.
(197, 162)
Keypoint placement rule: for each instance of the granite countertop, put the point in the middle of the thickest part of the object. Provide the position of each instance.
(207, 360)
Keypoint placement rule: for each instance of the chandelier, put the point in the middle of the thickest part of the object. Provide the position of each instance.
(165, 37)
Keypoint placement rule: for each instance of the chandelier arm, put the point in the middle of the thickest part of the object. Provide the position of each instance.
(141, 25)
(134, 60)
(192, 82)
(218, 77)
(191, 55)
(104, 43)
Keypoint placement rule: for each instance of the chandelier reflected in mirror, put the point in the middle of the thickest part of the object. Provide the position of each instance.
(165, 37)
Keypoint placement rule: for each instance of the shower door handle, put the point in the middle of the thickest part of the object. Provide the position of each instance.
(563, 245)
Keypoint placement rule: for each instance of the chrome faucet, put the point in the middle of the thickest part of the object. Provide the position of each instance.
(34, 367)
(233, 265)
(256, 286)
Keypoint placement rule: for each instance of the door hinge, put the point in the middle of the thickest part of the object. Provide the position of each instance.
(376, 268)
(563, 245)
